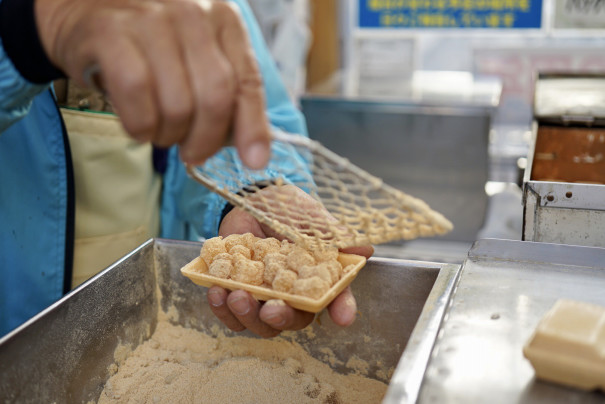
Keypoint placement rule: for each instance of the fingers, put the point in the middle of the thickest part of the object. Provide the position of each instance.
(177, 72)
(313, 211)
(238, 221)
(217, 298)
(246, 309)
(239, 311)
(343, 309)
(128, 82)
(283, 317)
(213, 83)
(161, 44)
(227, 87)
(251, 134)
(364, 250)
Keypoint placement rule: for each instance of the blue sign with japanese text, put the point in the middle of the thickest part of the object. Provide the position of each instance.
(515, 14)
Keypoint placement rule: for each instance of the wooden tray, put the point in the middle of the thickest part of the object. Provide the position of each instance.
(197, 271)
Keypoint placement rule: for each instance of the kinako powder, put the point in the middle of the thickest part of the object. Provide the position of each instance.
(181, 365)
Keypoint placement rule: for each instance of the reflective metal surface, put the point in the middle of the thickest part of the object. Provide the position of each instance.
(504, 289)
(405, 383)
(390, 293)
(63, 354)
(568, 97)
(452, 252)
(561, 211)
(436, 153)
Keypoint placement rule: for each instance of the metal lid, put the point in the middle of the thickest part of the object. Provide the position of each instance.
(570, 99)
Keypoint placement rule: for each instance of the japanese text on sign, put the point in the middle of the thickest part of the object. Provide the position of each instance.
(450, 13)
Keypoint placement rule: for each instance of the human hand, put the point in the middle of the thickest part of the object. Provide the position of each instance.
(238, 310)
(177, 71)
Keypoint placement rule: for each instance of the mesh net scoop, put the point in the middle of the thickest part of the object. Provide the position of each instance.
(341, 206)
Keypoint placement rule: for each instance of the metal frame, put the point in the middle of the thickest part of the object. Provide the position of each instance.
(561, 212)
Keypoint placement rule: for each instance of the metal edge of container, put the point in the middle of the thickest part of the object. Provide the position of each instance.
(517, 252)
(398, 105)
(594, 194)
(11, 334)
(530, 155)
(553, 194)
(49, 358)
(528, 194)
(404, 386)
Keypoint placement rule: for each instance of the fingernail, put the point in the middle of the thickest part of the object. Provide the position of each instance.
(350, 302)
(350, 313)
(257, 155)
(188, 156)
(239, 306)
(215, 298)
(185, 155)
(275, 320)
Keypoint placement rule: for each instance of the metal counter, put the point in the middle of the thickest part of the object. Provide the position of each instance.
(63, 354)
(504, 289)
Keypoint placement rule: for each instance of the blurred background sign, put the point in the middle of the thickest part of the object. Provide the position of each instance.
(450, 13)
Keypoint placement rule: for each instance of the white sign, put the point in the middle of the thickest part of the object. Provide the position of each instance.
(579, 14)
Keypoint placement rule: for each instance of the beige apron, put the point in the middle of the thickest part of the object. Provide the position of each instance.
(117, 191)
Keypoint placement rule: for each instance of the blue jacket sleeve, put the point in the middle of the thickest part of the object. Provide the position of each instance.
(189, 210)
(16, 93)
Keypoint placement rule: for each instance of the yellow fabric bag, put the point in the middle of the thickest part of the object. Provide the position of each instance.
(117, 191)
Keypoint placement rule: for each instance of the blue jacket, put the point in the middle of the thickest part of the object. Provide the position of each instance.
(36, 187)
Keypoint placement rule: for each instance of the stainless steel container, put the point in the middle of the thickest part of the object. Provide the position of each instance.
(564, 182)
(62, 355)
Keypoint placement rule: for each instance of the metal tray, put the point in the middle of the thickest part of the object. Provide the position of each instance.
(504, 289)
(63, 354)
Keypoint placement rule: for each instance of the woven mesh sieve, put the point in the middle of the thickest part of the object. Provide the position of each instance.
(343, 205)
